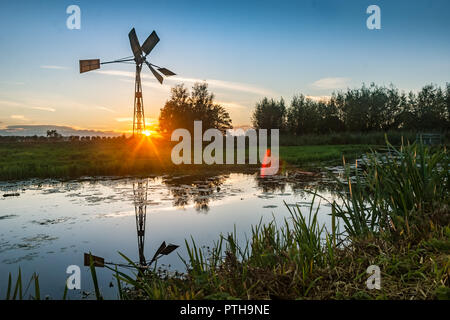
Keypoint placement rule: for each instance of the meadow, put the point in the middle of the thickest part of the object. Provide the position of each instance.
(73, 159)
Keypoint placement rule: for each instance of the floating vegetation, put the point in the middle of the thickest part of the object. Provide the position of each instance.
(15, 194)
(8, 216)
(45, 222)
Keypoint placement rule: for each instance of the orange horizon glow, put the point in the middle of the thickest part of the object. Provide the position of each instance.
(150, 131)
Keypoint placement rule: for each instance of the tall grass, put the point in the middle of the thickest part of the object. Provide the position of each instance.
(242, 267)
(17, 293)
(399, 192)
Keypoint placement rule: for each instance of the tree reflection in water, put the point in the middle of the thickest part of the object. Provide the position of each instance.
(298, 181)
(198, 189)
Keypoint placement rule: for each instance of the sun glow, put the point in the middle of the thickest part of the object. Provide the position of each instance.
(147, 133)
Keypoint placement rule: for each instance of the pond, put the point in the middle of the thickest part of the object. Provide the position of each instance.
(47, 225)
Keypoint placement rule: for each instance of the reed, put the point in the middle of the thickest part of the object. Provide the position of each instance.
(401, 192)
(18, 293)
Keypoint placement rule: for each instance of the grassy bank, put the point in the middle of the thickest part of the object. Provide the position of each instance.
(60, 159)
(395, 215)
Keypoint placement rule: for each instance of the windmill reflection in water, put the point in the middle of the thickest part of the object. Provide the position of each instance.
(140, 190)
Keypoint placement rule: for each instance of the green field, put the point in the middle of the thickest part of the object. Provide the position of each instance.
(99, 158)
(318, 155)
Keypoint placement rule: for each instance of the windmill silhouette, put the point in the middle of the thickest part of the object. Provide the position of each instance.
(139, 57)
(140, 189)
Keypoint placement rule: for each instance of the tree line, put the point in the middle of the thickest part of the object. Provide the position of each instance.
(369, 108)
(56, 137)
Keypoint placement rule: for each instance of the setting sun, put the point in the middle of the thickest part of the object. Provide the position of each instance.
(146, 133)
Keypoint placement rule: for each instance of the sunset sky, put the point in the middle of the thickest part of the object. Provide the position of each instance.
(244, 50)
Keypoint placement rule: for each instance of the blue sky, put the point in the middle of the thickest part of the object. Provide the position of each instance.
(245, 50)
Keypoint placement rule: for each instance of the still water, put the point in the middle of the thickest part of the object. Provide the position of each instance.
(47, 225)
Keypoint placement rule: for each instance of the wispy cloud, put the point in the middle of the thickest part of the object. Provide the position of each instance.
(235, 86)
(124, 119)
(106, 109)
(154, 85)
(36, 104)
(18, 117)
(44, 109)
(331, 83)
(11, 103)
(53, 67)
(13, 83)
(117, 73)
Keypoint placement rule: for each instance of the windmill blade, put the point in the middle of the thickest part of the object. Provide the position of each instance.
(97, 261)
(166, 72)
(156, 74)
(158, 252)
(161, 248)
(89, 65)
(167, 250)
(150, 43)
(135, 47)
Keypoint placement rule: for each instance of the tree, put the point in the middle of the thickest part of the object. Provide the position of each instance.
(329, 117)
(447, 103)
(183, 108)
(305, 115)
(432, 107)
(302, 116)
(269, 114)
(53, 134)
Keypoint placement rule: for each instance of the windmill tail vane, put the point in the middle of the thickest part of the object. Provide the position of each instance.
(139, 57)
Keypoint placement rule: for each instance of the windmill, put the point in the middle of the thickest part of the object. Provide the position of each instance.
(139, 57)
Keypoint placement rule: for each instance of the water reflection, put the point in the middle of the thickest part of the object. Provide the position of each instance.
(52, 223)
(199, 189)
(140, 189)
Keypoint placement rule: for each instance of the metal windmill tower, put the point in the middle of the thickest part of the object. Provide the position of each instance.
(140, 208)
(139, 57)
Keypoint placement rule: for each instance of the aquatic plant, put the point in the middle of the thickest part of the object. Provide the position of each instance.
(401, 192)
